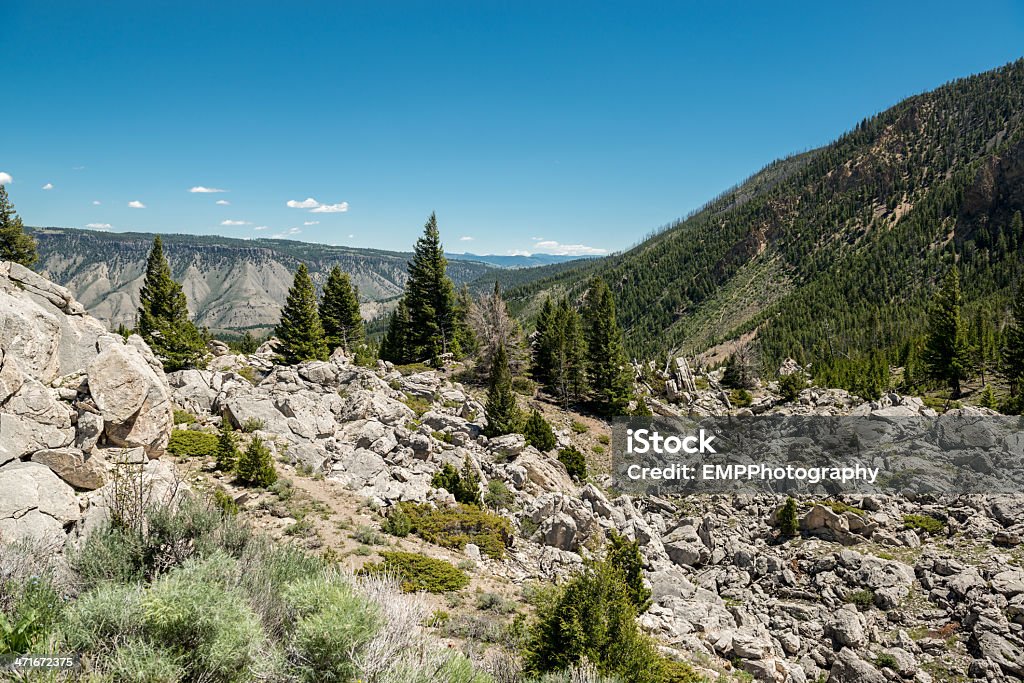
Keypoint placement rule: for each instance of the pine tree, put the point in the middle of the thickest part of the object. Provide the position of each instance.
(1013, 350)
(255, 465)
(15, 244)
(739, 370)
(339, 312)
(300, 331)
(789, 521)
(395, 346)
(502, 412)
(538, 432)
(468, 343)
(430, 296)
(560, 353)
(541, 343)
(947, 353)
(608, 373)
(227, 448)
(493, 327)
(163, 319)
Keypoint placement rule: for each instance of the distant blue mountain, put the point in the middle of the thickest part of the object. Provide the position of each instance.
(515, 261)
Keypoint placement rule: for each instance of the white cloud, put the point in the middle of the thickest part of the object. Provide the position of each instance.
(223, 202)
(136, 204)
(262, 227)
(232, 223)
(98, 226)
(351, 236)
(48, 186)
(331, 208)
(287, 233)
(96, 202)
(558, 249)
(311, 223)
(5, 178)
(307, 203)
(465, 238)
(205, 190)
(536, 239)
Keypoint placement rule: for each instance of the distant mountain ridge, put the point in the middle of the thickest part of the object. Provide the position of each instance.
(833, 254)
(515, 261)
(231, 284)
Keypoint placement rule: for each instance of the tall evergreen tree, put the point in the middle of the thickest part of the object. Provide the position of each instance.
(15, 244)
(163, 319)
(468, 343)
(541, 348)
(608, 371)
(339, 312)
(560, 352)
(1013, 350)
(430, 296)
(503, 415)
(300, 331)
(395, 346)
(947, 352)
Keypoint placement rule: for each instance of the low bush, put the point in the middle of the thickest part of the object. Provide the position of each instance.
(464, 485)
(789, 519)
(741, 398)
(524, 386)
(861, 598)
(579, 427)
(538, 432)
(188, 442)
(255, 465)
(397, 523)
(183, 417)
(791, 385)
(574, 461)
(925, 523)
(498, 496)
(420, 573)
(252, 424)
(454, 527)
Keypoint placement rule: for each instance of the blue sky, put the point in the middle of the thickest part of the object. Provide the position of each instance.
(527, 126)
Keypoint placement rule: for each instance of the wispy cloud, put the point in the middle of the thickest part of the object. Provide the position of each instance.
(262, 227)
(558, 249)
(98, 226)
(136, 204)
(223, 202)
(233, 223)
(199, 189)
(351, 237)
(465, 238)
(287, 233)
(48, 186)
(331, 208)
(96, 202)
(316, 207)
(5, 178)
(311, 223)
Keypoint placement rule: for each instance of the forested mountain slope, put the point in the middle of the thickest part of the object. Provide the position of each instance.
(835, 252)
(231, 284)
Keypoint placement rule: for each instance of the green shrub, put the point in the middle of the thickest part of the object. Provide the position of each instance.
(109, 613)
(579, 427)
(252, 424)
(224, 502)
(420, 573)
(741, 398)
(454, 527)
(139, 661)
(625, 556)
(839, 507)
(789, 521)
(604, 439)
(791, 385)
(592, 618)
(862, 598)
(575, 463)
(397, 523)
(196, 613)
(36, 607)
(498, 496)
(887, 661)
(523, 386)
(188, 442)
(248, 373)
(925, 523)
(465, 486)
(333, 625)
(227, 448)
(368, 536)
(418, 404)
(183, 417)
(538, 432)
(255, 465)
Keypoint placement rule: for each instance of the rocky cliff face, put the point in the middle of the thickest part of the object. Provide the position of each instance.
(74, 400)
(231, 284)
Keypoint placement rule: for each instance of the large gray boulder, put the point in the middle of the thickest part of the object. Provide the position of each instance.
(33, 419)
(35, 503)
(132, 396)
